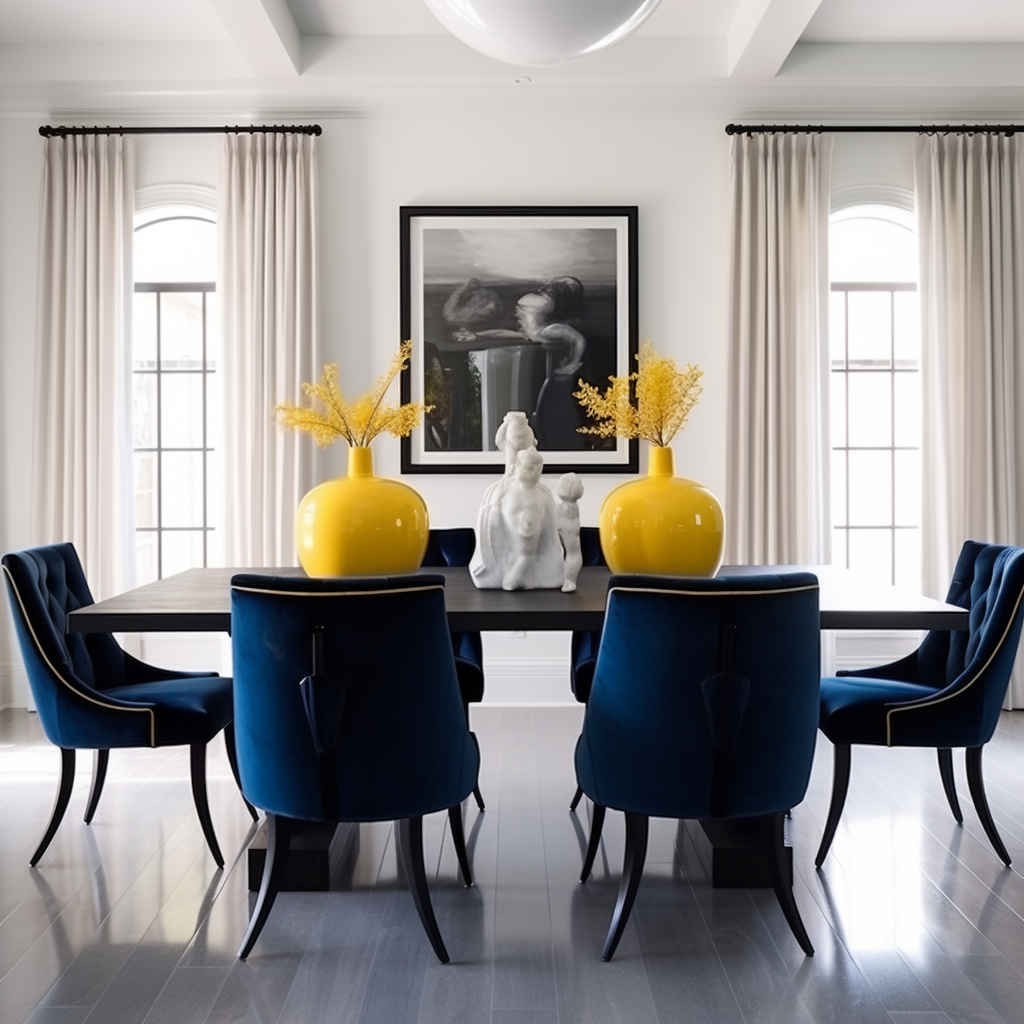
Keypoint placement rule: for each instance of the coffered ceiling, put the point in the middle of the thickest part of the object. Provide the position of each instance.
(738, 58)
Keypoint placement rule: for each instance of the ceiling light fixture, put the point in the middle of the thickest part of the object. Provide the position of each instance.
(541, 32)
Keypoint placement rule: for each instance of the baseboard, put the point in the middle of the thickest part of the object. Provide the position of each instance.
(14, 691)
(857, 649)
(513, 681)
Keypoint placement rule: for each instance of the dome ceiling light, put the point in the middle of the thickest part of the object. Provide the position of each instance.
(541, 32)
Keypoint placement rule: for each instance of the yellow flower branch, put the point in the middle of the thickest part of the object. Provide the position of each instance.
(360, 421)
(653, 403)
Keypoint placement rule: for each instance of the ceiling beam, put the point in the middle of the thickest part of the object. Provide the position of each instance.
(265, 33)
(762, 34)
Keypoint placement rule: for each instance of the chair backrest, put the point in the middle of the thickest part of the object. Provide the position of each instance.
(590, 546)
(453, 546)
(45, 584)
(705, 696)
(976, 664)
(583, 644)
(379, 732)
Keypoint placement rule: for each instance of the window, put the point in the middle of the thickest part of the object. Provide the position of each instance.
(875, 392)
(175, 395)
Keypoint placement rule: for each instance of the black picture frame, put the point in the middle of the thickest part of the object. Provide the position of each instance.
(509, 306)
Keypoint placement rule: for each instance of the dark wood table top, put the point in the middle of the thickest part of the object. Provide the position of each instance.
(199, 600)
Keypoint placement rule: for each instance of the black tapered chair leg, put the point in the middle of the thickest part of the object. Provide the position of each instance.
(60, 804)
(774, 845)
(632, 870)
(596, 826)
(840, 784)
(976, 784)
(948, 783)
(197, 759)
(279, 835)
(410, 836)
(229, 743)
(477, 795)
(100, 759)
(459, 839)
(577, 797)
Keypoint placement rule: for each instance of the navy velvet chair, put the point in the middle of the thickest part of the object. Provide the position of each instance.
(347, 708)
(704, 704)
(947, 694)
(455, 547)
(584, 643)
(92, 695)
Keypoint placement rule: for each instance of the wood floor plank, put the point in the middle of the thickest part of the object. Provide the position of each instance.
(914, 919)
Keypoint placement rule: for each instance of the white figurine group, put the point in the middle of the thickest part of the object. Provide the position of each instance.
(525, 542)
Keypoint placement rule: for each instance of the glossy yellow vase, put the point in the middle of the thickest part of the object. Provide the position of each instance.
(662, 524)
(361, 524)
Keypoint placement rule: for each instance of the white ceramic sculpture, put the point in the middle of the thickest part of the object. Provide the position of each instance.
(569, 491)
(520, 532)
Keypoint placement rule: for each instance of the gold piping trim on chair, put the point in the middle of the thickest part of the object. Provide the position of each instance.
(956, 693)
(73, 689)
(334, 593)
(713, 593)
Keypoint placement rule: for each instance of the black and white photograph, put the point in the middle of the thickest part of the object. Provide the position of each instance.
(508, 309)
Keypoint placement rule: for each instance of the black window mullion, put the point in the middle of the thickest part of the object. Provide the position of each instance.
(159, 438)
(846, 413)
(206, 441)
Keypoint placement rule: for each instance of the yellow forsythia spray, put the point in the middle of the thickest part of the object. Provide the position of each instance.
(360, 421)
(664, 399)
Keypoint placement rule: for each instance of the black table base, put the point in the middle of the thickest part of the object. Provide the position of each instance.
(732, 855)
(317, 856)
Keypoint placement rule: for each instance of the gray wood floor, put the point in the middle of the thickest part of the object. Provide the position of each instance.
(914, 919)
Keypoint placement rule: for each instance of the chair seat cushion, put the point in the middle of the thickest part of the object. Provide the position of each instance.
(853, 708)
(188, 710)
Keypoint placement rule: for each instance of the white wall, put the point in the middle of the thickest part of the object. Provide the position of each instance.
(674, 167)
(884, 159)
(675, 170)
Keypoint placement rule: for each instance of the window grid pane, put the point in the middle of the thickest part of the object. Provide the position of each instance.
(875, 393)
(173, 369)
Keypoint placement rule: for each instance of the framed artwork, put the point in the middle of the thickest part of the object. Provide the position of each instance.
(508, 308)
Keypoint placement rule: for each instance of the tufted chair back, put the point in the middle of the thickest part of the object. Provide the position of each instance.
(969, 670)
(68, 672)
(45, 585)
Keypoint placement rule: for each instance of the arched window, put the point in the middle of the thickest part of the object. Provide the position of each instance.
(875, 388)
(175, 395)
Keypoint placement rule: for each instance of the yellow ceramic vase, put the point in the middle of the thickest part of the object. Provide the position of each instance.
(361, 524)
(662, 524)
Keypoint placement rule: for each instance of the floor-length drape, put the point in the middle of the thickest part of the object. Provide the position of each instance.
(777, 498)
(268, 272)
(82, 480)
(970, 202)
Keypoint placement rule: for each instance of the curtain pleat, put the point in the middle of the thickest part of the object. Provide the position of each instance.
(82, 480)
(970, 205)
(777, 498)
(268, 273)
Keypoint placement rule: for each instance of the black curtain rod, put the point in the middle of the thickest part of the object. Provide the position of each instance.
(928, 129)
(49, 132)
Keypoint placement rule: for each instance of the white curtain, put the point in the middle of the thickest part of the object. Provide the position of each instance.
(970, 201)
(82, 481)
(268, 272)
(777, 498)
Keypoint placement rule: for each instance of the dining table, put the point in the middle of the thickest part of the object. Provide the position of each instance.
(199, 600)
